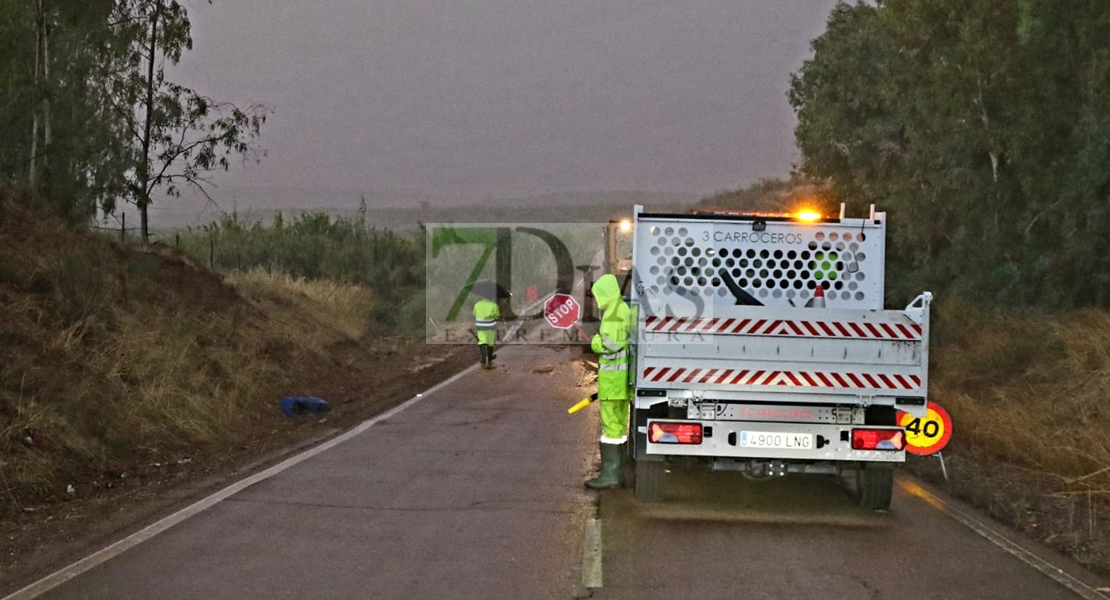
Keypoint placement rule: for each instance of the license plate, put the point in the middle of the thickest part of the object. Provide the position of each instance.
(772, 439)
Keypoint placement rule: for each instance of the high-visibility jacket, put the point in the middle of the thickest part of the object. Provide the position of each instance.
(486, 315)
(611, 343)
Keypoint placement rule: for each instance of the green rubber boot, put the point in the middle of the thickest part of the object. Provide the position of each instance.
(612, 463)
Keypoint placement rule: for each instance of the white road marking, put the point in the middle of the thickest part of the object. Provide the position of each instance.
(1081, 589)
(65, 574)
(591, 554)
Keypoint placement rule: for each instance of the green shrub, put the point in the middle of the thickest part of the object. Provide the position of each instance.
(316, 246)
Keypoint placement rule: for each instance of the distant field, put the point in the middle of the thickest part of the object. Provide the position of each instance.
(403, 218)
(575, 208)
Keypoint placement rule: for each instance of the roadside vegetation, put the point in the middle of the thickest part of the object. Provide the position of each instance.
(983, 129)
(1027, 391)
(772, 195)
(90, 120)
(318, 247)
(120, 363)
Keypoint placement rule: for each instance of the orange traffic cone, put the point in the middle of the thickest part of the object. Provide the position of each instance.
(818, 299)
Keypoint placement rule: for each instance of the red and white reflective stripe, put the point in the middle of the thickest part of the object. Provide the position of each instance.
(815, 379)
(879, 331)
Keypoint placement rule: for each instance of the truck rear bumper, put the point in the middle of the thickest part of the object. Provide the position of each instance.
(766, 440)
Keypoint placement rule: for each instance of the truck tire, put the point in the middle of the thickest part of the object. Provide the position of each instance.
(874, 486)
(649, 480)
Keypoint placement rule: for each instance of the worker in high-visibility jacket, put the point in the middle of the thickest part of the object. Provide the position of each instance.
(611, 343)
(486, 315)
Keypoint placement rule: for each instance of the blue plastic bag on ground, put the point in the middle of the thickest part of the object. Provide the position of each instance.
(299, 406)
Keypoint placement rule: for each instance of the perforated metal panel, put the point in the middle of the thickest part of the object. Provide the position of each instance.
(683, 266)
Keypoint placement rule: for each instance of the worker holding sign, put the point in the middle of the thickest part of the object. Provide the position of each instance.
(611, 343)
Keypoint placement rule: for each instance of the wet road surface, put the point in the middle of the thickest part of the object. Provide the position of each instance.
(475, 491)
(717, 535)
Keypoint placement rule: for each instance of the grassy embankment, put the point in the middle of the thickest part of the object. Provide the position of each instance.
(116, 360)
(1028, 397)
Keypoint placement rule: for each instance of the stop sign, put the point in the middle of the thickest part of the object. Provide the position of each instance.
(562, 311)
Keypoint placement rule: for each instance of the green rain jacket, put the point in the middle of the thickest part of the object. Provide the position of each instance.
(486, 315)
(611, 343)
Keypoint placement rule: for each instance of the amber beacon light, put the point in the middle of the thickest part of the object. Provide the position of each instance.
(808, 215)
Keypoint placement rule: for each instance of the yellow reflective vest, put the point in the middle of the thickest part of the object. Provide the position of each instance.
(486, 315)
(611, 343)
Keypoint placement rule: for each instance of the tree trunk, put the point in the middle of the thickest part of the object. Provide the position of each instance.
(47, 135)
(985, 118)
(47, 89)
(32, 175)
(144, 198)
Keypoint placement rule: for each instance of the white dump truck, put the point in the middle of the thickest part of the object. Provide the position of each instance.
(762, 346)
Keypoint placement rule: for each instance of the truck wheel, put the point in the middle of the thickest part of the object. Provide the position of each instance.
(874, 487)
(628, 466)
(649, 480)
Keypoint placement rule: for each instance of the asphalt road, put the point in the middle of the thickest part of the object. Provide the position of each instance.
(720, 536)
(475, 492)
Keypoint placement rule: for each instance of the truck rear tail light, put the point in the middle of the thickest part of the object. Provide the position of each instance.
(674, 433)
(878, 439)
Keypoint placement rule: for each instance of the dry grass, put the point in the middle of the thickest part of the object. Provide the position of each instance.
(112, 358)
(160, 384)
(1029, 389)
(128, 371)
(334, 306)
(1028, 394)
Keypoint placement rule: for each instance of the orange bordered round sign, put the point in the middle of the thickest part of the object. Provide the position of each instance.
(929, 434)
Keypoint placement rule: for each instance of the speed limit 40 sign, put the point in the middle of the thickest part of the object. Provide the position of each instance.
(928, 434)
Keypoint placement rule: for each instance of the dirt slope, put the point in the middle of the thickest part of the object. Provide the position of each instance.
(127, 372)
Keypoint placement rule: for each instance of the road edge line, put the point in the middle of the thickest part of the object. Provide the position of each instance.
(120, 546)
(591, 555)
(1056, 573)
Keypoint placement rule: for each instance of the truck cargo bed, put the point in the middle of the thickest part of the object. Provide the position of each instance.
(744, 349)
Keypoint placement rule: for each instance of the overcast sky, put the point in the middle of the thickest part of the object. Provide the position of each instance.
(471, 99)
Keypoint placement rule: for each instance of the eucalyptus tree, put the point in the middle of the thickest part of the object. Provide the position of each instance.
(178, 135)
(983, 126)
(59, 135)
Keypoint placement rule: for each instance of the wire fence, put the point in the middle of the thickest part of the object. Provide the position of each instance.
(125, 233)
(121, 230)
